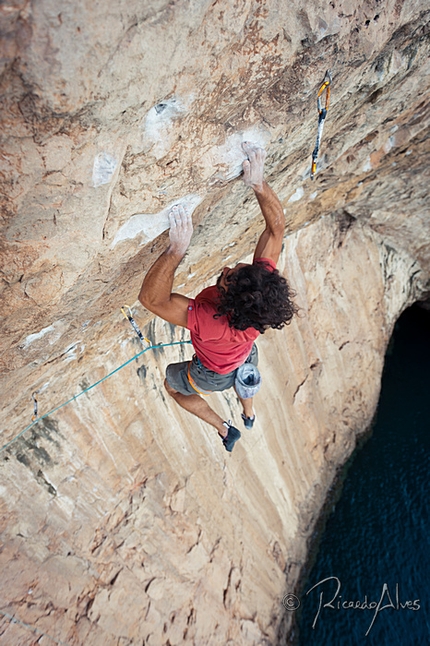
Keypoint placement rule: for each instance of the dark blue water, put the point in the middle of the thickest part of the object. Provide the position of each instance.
(376, 542)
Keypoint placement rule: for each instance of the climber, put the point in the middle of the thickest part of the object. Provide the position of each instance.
(224, 320)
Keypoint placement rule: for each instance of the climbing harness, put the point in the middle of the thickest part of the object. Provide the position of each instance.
(128, 315)
(35, 414)
(193, 384)
(322, 112)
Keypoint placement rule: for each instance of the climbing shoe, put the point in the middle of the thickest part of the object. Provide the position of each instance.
(231, 438)
(248, 421)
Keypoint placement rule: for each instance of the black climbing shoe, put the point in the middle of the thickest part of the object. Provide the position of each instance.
(231, 438)
(248, 421)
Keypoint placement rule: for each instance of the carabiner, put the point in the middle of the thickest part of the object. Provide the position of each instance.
(322, 113)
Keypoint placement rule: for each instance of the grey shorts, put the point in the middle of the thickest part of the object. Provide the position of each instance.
(205, 381)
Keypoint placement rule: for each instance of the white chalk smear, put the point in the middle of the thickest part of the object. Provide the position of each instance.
(150, 225)
(72, 351)
(367, 166)
(31, 338)
(297, 195)
(160, 123)
(388, 145)
(229, 157)
(103, 168)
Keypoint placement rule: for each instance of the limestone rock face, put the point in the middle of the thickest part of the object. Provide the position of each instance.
(123, 519)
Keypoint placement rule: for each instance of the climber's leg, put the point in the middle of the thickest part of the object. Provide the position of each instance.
(248, 415)
(197, 406)
(248, 411)
(187, 380)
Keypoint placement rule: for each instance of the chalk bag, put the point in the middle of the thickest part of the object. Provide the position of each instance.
(248, 381)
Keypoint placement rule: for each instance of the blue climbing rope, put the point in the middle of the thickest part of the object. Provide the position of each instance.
(35, 421)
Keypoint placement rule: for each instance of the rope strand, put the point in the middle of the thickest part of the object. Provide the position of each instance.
(33, 423)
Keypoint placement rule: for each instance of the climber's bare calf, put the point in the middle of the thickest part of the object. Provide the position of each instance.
(196, 405)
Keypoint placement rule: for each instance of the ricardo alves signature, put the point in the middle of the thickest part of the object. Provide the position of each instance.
(334, 601)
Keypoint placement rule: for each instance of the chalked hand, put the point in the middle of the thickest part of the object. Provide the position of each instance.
(181, 229)
(253, 167)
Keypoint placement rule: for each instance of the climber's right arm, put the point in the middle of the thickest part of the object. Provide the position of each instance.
(156, 291)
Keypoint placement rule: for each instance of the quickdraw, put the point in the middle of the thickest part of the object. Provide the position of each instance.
(129, 317)
(35, 406)
(322, 112)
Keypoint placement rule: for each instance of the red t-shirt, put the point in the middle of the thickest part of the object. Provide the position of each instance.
(219, 347)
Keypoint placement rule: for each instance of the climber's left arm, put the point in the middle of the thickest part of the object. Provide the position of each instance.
(156, 291)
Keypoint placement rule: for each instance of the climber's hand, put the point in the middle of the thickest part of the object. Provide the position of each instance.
(253, 167)
(181, 229)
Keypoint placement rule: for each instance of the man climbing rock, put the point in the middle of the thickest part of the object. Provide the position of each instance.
(224, 320)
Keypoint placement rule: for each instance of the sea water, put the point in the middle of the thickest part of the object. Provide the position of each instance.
(370, 583)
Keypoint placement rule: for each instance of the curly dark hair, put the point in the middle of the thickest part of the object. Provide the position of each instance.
(257, 297)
